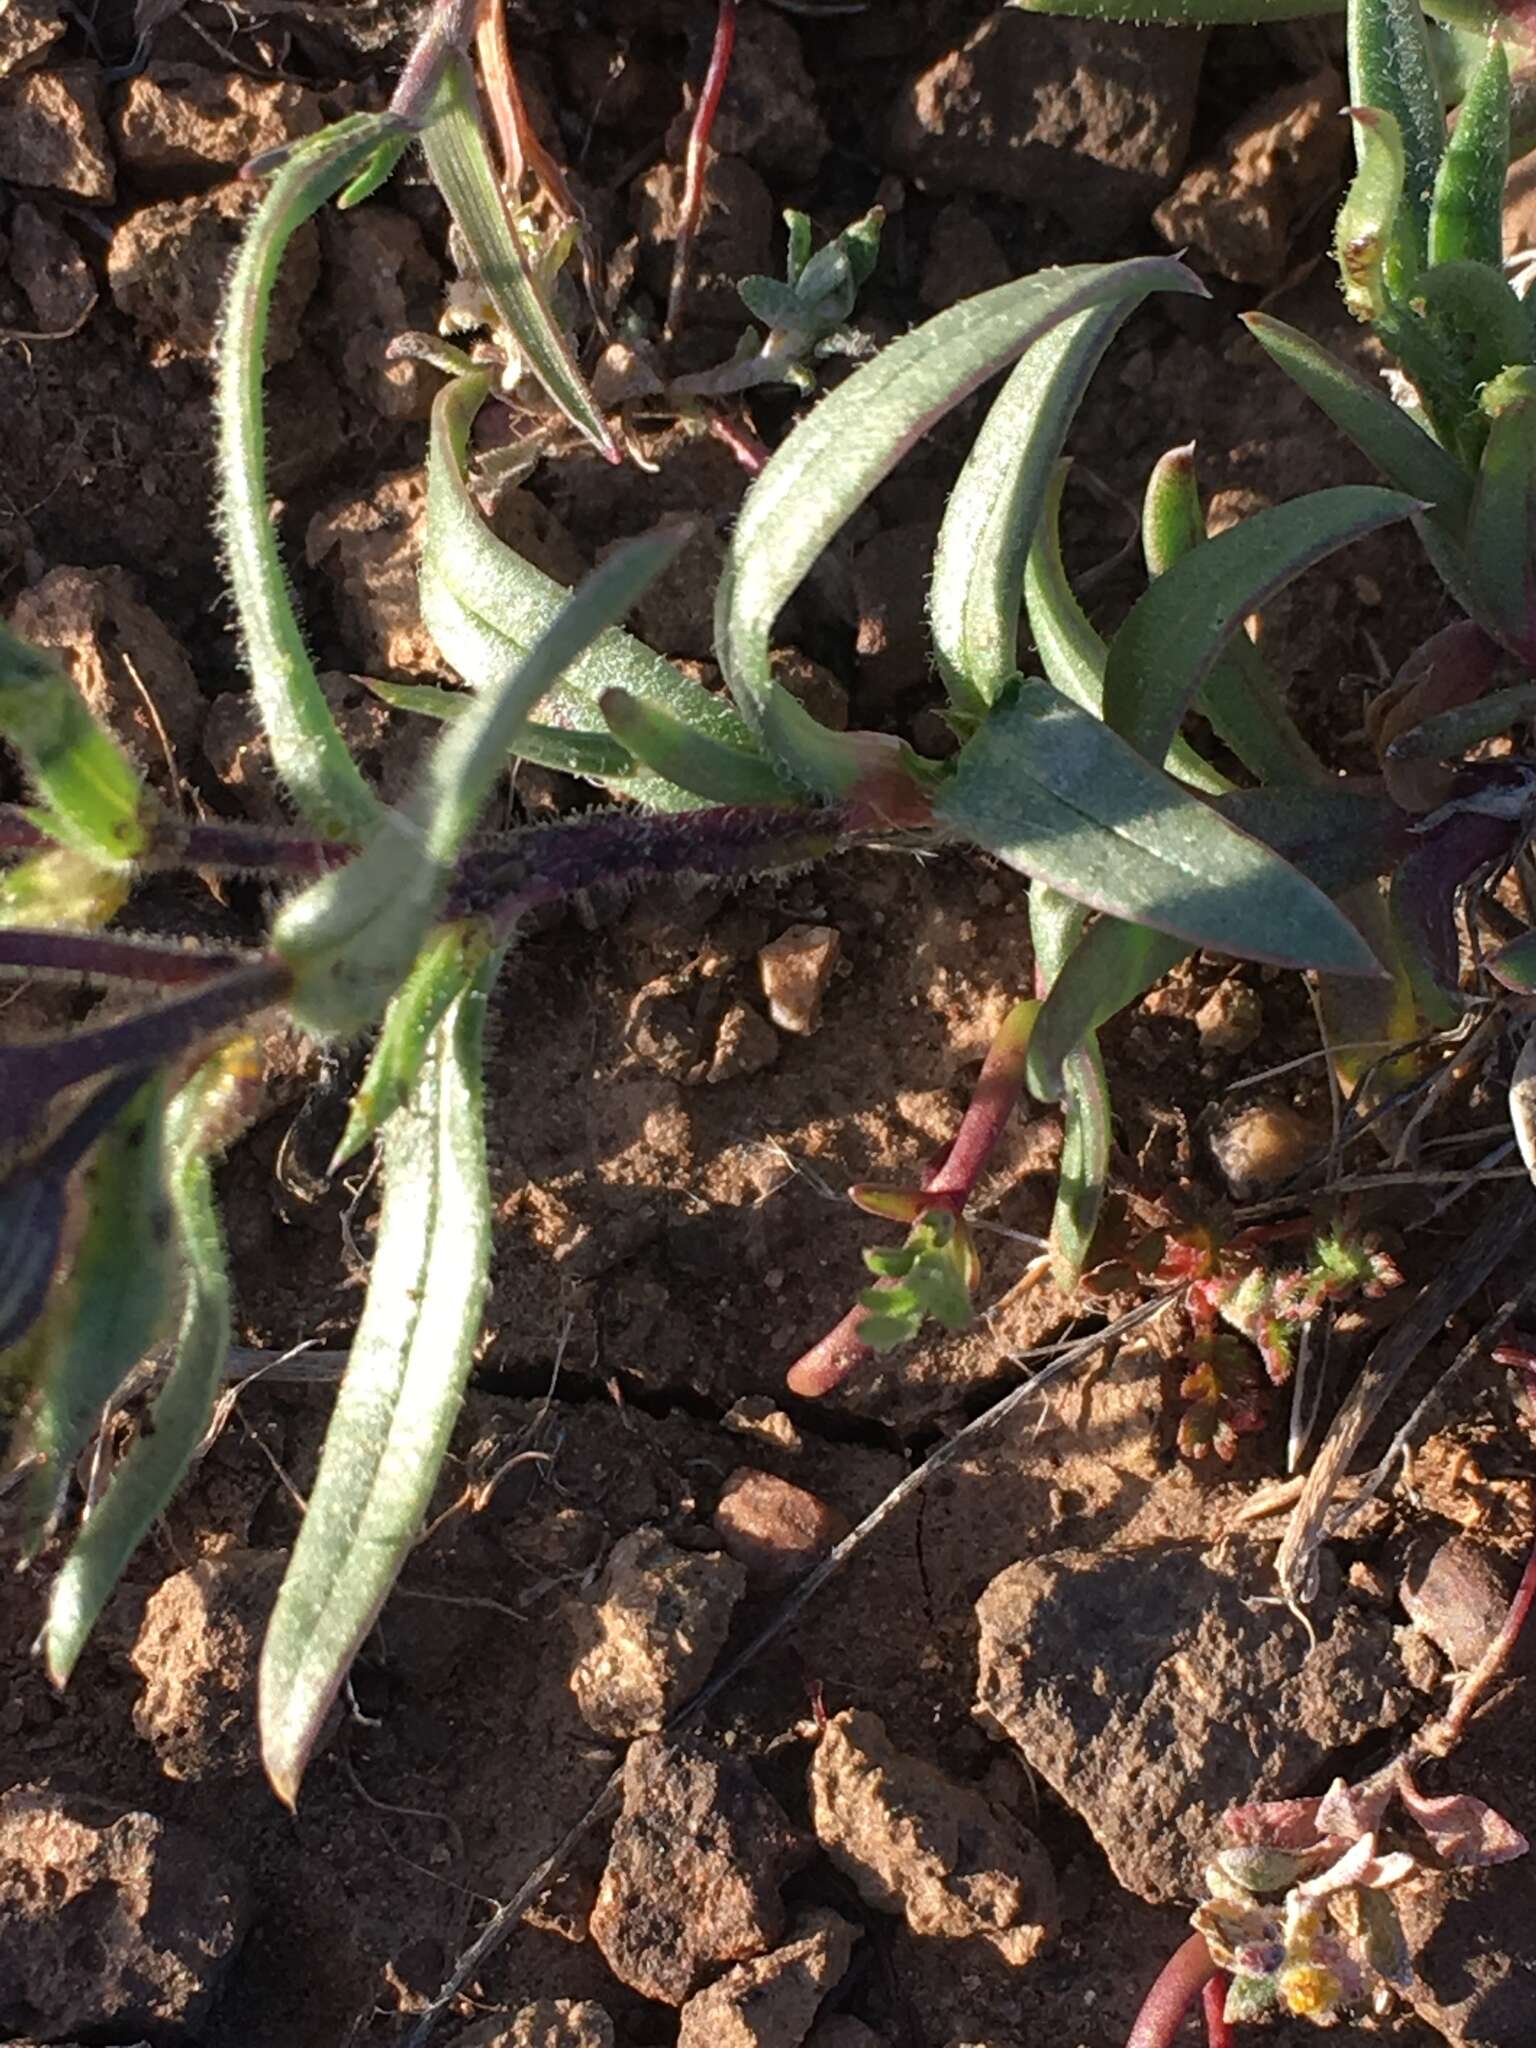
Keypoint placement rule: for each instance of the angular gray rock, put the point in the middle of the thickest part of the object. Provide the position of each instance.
(692, 1881)
(1152, 1688)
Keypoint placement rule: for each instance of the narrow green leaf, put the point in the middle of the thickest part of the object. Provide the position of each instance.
(1365, 237)
(307, 749)
(116, 1300)
(1239, 695)
(1501, 529)
(1466, 215)
(444, 969)
(829, 465)
(485, 606)
(994, 508)
(454, 140)
(95, 802)
(572, 753)
(377, 171)
(1406, 456)
(1178, 630)
(693, 760)
(1084, 1171)
(1071, 651)
(180, 1414)
(1056, 794)
(352, 936)
(1390, 67)
(404, 1382)
(1113, 965)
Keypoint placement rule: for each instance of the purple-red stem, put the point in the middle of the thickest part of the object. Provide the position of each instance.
(217, 845)
(98, 956)
(1182, 1980)
(950, 1184)
(696, 162)
(1214, 1998)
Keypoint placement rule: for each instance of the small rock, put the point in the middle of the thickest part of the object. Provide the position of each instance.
(180, 118)
(735, 237)
(1269, 171)
(197, 1652)
(692, 1882)
(771, 2003)
(169, 263)
(1230, 1018)
(890, 588)
(1458, 1596)
(369, 545)
(1089, 120)
(760, 1415)
(111, 1924)
(51, 133)
(48, 266)
(773, 1529)
(918, 1844)
(548, 2023)
(27, 29)
(794, 971)
(964, 258)
(1423, 1665)
(660, 1027)
(1259, 1149)
(768, 111)
(658, 1621)
(1151, 1692)
(745, 1044)
(131, 672)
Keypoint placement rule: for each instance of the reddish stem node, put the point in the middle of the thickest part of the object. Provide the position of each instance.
(1183, 1978)
(696, 162)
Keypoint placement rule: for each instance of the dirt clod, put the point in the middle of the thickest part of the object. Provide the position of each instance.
(369, 544)
(1151, 1693)
(735, 237)
(771, 2002)
(794, 972)
(1240, 210)
(110, 1922)
(692, 1881)
(917, 1843)
(129, 669)
(196, 1651)
(27, 29)
(745, 1044)
(773, 1529)
(1089, 120)
(52, 134)
(176, 119)
(1230, 1019)
(768, 112)
(47, 264)
(650, 1638)
(168, 265)
(548, 2023)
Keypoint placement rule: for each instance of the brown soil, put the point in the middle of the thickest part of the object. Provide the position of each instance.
(667, 1245)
